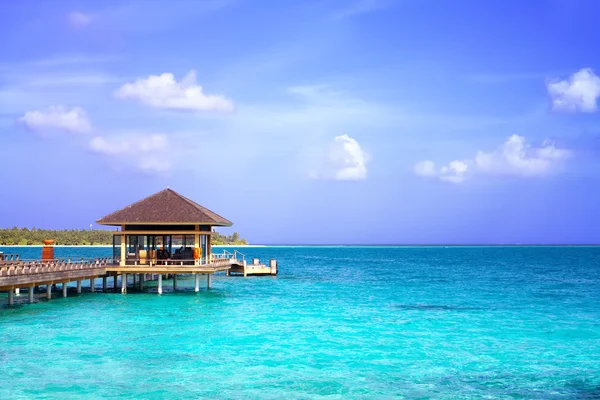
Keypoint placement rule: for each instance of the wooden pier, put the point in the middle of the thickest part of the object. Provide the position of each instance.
(255, 268)
(17, 275)
(163, 234)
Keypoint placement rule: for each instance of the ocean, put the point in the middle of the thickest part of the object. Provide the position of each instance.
(336, 323)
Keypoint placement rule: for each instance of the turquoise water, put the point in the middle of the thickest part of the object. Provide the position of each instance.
(337, 322)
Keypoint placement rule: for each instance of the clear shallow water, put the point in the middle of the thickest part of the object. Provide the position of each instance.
(338, 322)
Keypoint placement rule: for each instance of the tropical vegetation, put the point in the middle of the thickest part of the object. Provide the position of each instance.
(83, 237)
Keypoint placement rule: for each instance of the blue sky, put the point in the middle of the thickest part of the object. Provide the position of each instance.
(358, 121)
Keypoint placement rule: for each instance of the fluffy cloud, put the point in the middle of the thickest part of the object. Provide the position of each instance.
(79, 19)
(344, 160)
(578, 93)
(148, 153)
(72, 120)
(514, 157)
(163, 91)
(454, 172)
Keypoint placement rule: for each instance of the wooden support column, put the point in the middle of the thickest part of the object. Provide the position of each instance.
(196, 283)
(92, 281)
(174, 282)
(79, 286)
(123, 247)
(134, 279)
(11, 297)
(124, 283)
(48, 291)
(208, 280)
(197, 244)
(64, 289)
(31, 293)
(208, 246)
(159, 283)
(245, 268)
(115, 282)
(104, 283)
(142, 277)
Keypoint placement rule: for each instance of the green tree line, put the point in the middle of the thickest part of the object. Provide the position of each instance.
(83, 237)
(233, 239)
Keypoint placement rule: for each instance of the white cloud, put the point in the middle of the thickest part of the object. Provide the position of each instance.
(454, 172)
(163, 91)
(578, 93)
(72, 120)
(79, 19)
(344, 160)
(514, 157)
(149, 153)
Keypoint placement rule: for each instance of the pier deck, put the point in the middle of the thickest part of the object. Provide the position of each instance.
(16, 275)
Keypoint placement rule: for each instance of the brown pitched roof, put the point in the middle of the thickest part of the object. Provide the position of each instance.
(164, 207)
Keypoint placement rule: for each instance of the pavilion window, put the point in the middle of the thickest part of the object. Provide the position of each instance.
(203, 247)
(117, 248)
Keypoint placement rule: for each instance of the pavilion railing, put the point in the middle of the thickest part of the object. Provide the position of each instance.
(9, 257)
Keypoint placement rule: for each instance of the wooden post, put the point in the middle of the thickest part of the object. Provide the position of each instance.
(64, 289)
(92, 280)
(208, 281)
(159, 283)
(79, 286)
(196, 283)
(245, 264)
(174, 282)
(124, 283)
(197, 243)
(123, 248)
(208, 245)
(142, 277)
(104, 283)
(115, 282)
(31, 293)
(48, 291)
(134, 280)
(11, 297)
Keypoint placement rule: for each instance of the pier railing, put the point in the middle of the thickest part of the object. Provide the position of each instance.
(227, 255)
(40, 267)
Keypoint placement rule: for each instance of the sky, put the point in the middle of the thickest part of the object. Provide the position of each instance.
(308, 122)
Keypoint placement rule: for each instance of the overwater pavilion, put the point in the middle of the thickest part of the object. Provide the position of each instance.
(165, 233)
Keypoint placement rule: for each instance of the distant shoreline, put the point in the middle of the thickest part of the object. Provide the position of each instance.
(110, 245)
(344, 245)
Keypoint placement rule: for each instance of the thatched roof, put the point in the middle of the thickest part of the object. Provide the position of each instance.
(164, 207)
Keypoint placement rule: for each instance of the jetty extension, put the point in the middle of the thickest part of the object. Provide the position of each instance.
(163, 234)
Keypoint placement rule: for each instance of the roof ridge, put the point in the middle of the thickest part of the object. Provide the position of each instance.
(198, 206)
(161, 206)
(134, 203)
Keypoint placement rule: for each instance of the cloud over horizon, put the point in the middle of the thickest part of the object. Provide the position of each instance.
(515, 157)
(163, 91)
(343, 160)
